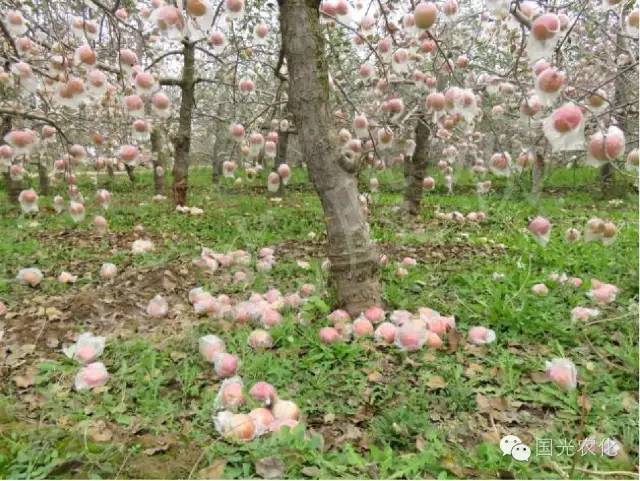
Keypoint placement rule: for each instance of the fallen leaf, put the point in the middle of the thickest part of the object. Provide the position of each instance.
(270, 468)
(483, 403)
(168, 281)
(350, 433)
(584, 402)
(436, 382)
(375, 376)
(177, 356)
(539, 377)
(492, 437)
(454, 338)
(420, 443)
(53, 314)
(214, 471)
(156, 444)
(100, 433)
(429, 356)
(25, 380)
(311, 471)
(473, 369)
(629, 402)
(27, 349)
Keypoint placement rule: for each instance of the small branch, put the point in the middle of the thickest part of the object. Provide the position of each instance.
(9, 38)
(608, 473)
(164, 55)
(40, 118)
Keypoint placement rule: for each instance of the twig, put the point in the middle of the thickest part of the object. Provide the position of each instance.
(608, 473)
(196, 464)
(124, 462)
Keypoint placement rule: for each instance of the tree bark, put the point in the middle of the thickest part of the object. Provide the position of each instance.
(354, 260)
(158, 158)
(13, 186)
(281, 157)
(43, 176)
(182, 141)
(619, 99)
(537, 173)
(216, 165)
(416, 167)
(130, 173)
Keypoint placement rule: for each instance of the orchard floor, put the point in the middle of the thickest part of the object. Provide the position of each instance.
(369, 411)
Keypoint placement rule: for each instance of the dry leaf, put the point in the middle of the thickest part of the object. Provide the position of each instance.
(483, 403)
(539, 377)
(629, 402)
(473, 369)
(156, 449)
(375, 376)
(453, 339)
(214, 471)
(168, 281)
(156, 444)
(584, 402)
(100, 433)
(429, 356)
(177, 356)
(270, 468)
(25, 380)
(350, 433)
(53, 314)
(436, 382)
(492, 437)
(311, 471)
(27, 349)
(420, 443)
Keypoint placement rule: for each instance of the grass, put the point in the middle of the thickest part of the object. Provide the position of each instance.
(370, 412)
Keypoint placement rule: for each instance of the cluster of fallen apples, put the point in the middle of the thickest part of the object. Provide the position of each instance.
(595, 230)
(271, 415)
(406, 330)
(561, 371)
(456, 216)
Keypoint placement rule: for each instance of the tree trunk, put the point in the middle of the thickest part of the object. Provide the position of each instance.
(158, 158)
(130, 173)
(281, 157)
(182, 142)
(619, 99)
(216, 161)
(354, 260)
(13, 186)
(415, 168)
(43, 176)
(537, 173)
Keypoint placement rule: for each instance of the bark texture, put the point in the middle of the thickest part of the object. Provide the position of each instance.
(216, 162)
(619, 99)
(354, 260)
(182, 141)
(130, 172)
(537, 173)
(281, 156)
(43, 176)
(416, 167)
(13, 186)
(158, 157)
